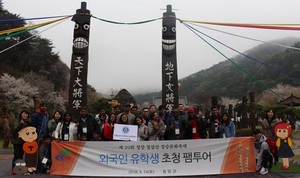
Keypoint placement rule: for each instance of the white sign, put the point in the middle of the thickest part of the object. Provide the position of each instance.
(125, 132)
(153, 158)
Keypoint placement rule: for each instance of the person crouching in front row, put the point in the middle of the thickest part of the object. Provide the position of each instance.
(264, 158)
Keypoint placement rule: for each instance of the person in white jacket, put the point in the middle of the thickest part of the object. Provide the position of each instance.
(264, 158)
(66, 130)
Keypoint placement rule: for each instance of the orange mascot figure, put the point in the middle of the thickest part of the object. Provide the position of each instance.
(30, 147)
(284, 143)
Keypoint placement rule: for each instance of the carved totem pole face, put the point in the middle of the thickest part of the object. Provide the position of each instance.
(169, 33)
(81, 33)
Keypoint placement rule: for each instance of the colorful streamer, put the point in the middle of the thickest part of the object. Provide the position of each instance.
(234, 63)
(260, 26)
(126, 23)
(30, 26)
(34, 18)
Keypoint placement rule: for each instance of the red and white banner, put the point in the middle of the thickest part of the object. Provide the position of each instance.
(153, 158)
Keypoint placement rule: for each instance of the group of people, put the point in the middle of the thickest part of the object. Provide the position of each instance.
(158, 124)
(153, 124)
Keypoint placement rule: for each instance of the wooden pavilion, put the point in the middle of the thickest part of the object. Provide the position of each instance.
(290, 101)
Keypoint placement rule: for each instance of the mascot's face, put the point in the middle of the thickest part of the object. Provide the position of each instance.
(28, 134)
(282, 133)
(20, 167)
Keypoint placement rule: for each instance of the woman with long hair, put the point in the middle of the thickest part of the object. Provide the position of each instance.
(156, 127)
(268, 124)
(124, 119)
(142, 128)
(66, 130)
(52, 123)
(227, 127)
(108, 128)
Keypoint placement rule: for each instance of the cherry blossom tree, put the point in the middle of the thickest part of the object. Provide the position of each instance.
(282, 90)
(16, 93)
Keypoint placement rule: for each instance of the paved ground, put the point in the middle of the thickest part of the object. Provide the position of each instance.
(6, 158)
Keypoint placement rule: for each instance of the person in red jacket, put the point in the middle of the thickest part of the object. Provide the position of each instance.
(108, 128)
(195, 127)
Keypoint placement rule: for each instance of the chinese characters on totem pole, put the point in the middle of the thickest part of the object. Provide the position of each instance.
(169, 62)
(79, 63)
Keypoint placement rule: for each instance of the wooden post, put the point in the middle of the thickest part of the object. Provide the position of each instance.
(252, 111)
(244, 121)
(6, 128)
(79, 62)
(170, 96)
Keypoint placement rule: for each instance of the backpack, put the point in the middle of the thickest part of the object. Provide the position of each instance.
(272, 146)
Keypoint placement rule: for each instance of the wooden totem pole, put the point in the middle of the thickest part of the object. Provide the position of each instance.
(169, 61)
(79, 63)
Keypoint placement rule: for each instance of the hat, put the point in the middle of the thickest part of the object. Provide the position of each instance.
(161, 107)
(191, 110)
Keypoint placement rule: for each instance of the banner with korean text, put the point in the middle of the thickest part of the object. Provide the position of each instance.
(153, 158)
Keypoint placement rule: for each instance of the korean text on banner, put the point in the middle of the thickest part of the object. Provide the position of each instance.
(155, 158)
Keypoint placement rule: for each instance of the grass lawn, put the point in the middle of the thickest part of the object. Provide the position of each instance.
(10, 146)
(294, 167)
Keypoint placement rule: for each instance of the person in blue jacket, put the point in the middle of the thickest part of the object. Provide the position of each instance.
(227, 127)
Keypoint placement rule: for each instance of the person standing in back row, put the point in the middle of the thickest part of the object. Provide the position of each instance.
(39, 120)
(182, 115)
(175, 128)
(213, 123)
(268, 124)
(194, 126)
(87, 125)
(227, 127)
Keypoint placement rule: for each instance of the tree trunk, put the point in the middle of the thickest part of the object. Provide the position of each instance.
(6, 128)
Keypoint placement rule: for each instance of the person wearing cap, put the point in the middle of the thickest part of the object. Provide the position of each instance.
(194, 126)
(130, 116)
(39, 120)
(264, 158)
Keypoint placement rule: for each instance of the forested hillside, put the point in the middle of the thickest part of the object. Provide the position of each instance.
(267, 68)
(29, 68)
(34, 55)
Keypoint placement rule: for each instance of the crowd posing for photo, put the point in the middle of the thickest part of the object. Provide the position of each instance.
(153, 124)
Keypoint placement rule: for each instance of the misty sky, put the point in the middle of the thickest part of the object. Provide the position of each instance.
(129, 56)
